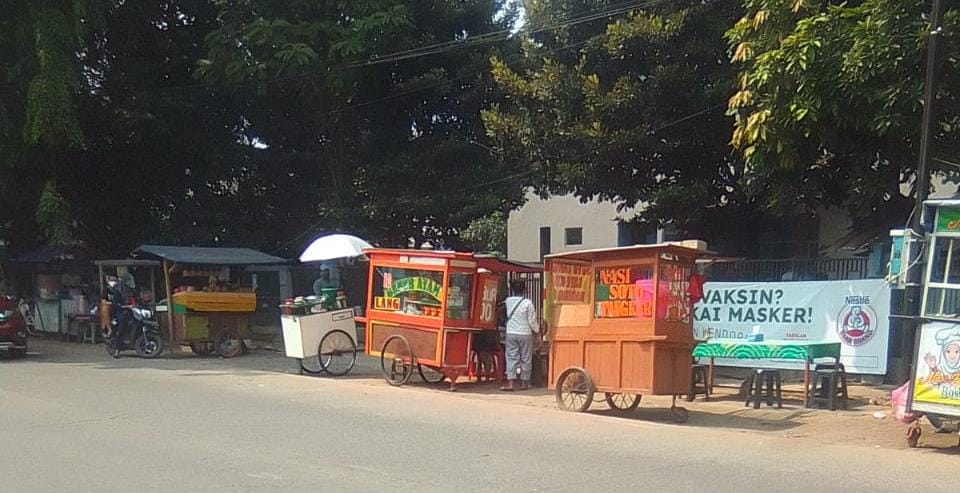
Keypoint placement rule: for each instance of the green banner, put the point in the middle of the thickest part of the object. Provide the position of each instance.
(948, 220)
(421, 284)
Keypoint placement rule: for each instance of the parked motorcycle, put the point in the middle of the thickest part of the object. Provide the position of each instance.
(142, 333)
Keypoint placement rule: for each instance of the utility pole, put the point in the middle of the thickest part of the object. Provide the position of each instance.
(906, 339)
(929, 111)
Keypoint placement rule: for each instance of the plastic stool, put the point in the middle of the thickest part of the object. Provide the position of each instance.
(764, 386)
(698, 383)
(827, 387)
(486, 364)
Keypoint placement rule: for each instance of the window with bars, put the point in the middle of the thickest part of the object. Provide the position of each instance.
(942, 296)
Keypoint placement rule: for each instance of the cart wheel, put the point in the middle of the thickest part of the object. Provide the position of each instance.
(396, 360)
(229, 344)
(680, 414)
(623, 402)
(201, 348)
(913, 436)
(429, 375)
(337, 353)
(311, 365)
(574, 390)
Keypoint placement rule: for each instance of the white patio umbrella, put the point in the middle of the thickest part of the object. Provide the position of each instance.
(334, 247)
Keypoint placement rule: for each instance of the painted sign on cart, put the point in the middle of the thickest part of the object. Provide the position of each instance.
(853, 313)
(936, 381)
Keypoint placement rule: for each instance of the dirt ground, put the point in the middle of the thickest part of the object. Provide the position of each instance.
(868, 420)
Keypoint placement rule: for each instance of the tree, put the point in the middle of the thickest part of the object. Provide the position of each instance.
(626, 108)
(163, 150)
(487, 234)
(386, 147)
(829, 103)
(40, 80)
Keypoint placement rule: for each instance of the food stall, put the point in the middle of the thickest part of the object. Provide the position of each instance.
(426, 310)
(208, 306)
(320, 330)
(621, 323)
(57, 281)
(935, 383)
(320, 327)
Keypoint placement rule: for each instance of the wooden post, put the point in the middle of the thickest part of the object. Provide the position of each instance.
(153, 285)
(100, 268)
(166, 279)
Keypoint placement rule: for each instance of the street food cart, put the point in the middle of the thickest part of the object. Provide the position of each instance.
(426, 310)
(208, 307)
(935, 383)
(620, 322)
(323, 329)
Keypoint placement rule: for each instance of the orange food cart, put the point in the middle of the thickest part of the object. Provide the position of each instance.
(620, 322)
(426, 310)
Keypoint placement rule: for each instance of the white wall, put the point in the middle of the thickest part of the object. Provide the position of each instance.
(598, 220)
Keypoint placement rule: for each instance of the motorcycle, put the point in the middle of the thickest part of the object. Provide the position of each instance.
(142, 334)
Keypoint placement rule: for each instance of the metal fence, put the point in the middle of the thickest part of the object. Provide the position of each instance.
(812, 269)
(534, 284)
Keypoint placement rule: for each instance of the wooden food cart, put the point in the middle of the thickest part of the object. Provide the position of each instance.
(427, 309)
(620, 323)
(208, 308)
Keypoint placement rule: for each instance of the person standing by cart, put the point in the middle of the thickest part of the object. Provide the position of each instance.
(522, 329)
(325, 281)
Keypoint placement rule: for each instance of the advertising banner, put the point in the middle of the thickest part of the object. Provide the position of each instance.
(936, 382)
(854, 313)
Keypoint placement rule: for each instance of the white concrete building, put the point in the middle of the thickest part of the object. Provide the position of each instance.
(562, 224)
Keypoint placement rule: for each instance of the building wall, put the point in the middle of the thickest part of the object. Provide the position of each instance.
(599, 221)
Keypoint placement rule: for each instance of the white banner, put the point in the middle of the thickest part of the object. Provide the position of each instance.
(854, 313)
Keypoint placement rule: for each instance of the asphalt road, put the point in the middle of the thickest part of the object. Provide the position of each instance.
(84, 423)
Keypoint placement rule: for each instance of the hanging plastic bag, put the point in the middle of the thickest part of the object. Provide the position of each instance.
(898, 399)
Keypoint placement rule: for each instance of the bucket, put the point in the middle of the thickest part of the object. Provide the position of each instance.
(105, 312)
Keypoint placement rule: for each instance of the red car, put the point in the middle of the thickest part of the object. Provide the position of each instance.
(13, 329)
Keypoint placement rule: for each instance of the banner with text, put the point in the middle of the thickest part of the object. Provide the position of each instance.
(854, 313)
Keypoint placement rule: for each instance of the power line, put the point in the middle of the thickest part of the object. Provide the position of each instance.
(688, 117)
(401, 202)
(427, 50)
(442, 83)
(524, 174)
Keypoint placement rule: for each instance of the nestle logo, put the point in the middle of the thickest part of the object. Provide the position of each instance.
(857, 300)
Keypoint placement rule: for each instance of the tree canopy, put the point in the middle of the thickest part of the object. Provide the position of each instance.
(263, 123)
(626, 108)
(829, 98)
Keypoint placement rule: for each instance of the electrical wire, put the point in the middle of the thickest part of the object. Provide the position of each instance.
(427, 50)
(461, 191)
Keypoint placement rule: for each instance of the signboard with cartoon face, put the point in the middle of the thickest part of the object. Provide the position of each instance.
(936, 381)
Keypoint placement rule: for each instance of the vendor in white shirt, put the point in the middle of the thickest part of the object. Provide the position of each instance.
(522, 329)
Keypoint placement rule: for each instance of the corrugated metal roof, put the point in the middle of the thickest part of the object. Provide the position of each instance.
(209, 256)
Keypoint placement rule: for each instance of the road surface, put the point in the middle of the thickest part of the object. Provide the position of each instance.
(85, 423)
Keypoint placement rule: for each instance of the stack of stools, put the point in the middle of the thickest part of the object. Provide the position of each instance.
(764, 386)
(828, 386)
(699, 382)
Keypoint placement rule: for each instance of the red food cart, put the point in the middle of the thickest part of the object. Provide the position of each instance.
(426, 310)
(621, 323)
